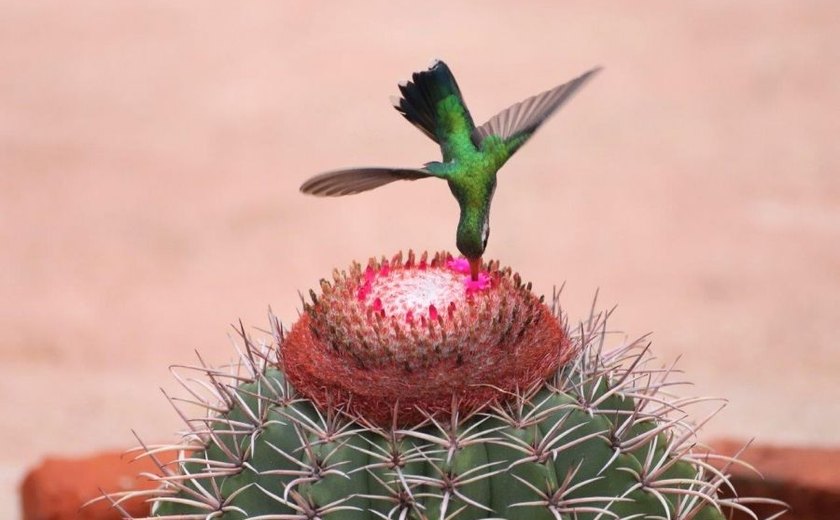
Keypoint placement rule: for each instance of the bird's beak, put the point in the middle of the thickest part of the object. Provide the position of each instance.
(475, 266)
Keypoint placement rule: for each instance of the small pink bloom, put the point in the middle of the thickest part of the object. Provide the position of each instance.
(459, 265)
(433, 314)
(362, 293)
(462, 265)
(369, 275)
(474, 286)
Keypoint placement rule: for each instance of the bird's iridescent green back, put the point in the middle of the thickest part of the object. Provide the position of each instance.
(454, 128)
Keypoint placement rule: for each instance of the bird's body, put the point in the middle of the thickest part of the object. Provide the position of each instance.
(471, 155)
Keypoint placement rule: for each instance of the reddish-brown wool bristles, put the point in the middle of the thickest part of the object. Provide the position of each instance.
(406, 336)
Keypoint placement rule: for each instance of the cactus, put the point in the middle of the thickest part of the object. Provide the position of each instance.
(406, 391)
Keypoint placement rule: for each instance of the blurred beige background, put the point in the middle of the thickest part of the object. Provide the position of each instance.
(150, 155)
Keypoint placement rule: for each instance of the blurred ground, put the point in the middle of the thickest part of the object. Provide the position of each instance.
(150, 155)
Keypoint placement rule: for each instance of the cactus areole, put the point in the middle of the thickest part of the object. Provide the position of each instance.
(399, 339)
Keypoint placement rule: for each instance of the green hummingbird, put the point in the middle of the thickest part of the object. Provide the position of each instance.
(472, 155)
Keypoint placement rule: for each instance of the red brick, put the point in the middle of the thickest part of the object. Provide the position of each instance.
(806, 478)
(58, 487)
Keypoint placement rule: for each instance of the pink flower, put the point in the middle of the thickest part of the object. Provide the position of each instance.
(462, 265)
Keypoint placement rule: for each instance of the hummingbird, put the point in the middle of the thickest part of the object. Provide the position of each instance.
(472, 155)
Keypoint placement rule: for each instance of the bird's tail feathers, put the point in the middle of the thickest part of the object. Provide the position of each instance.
(421, 95)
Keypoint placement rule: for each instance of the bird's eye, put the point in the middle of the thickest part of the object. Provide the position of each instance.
(485, 234)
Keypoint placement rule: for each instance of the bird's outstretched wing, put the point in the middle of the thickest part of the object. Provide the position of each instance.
(517, 123)
(356, 180)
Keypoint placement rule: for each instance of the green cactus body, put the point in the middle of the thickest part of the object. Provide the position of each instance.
(550, 457)
(595, 439)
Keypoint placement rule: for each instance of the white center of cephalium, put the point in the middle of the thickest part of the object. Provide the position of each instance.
(414, 293)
